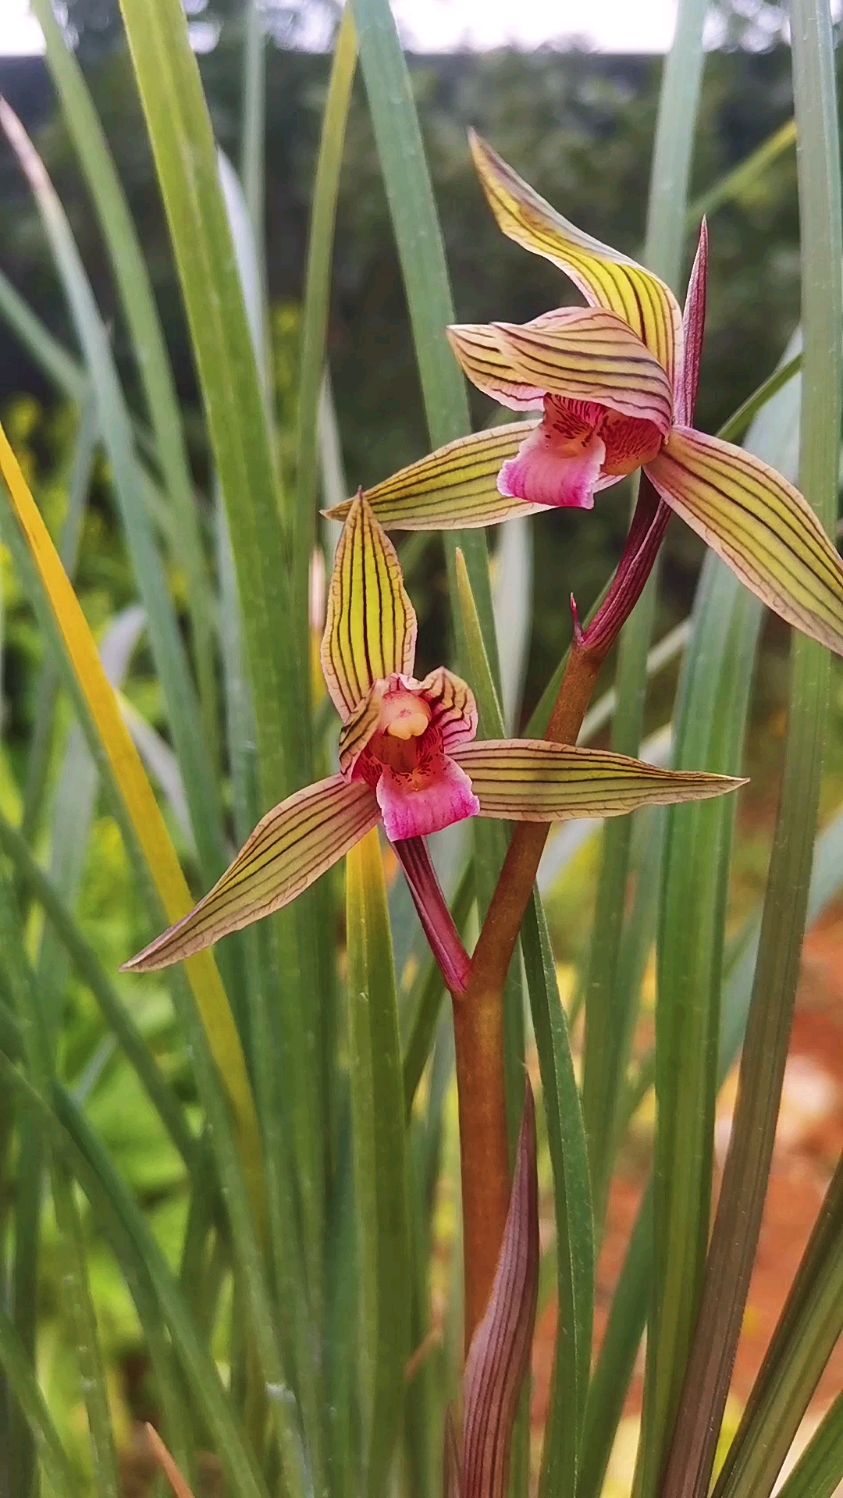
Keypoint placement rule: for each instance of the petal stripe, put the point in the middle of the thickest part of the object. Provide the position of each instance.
(454, 486)
(293, 844)
(538, 781)
(812, 536)
(760, 525)
(370, 630)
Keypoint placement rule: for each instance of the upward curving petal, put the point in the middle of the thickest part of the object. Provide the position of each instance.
(370, 629)
(605, 277)
(531, 780)
(453, 488)
(589, 354)
(293, 844)
(761, 527)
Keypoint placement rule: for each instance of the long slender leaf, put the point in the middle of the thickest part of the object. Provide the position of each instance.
(182, 141)
(90, 970)
(743, 1190)
(151, 1282)
(317, 289)
(200, 780)
(24, 1386)
(605, 1002)
(819, 1471)
(35, 1028)
(38, 759)
(53, 594)
(806, 1334)
(135, 289)
(381, 1201)
(180, 131)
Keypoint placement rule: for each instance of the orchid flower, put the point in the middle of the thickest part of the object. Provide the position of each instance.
(616, 391)
(407, 759)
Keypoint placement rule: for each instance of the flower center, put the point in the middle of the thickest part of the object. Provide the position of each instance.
(399, 740)
(404, 716)
(629, 441)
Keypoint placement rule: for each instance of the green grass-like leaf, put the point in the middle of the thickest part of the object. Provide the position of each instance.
(380, 1179)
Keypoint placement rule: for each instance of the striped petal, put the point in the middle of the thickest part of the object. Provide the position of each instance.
(488, 366)
(588, 354)
(760, 525)
(605, 277)
(370, 629)
(452, 704)
(530, 780)
(293, 844)
(453, 488)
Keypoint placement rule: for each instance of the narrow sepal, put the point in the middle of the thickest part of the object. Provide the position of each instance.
(500, 1348)
(453, 488)
(605, 277)
(693, 328)
(289, 849)
(588, 354)
(530, 780)
(760, 525)
(370, 629)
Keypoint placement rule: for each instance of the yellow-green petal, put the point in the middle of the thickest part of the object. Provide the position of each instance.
(453, 488)
(289, 849)
(530, 780)
(605, 277)
(370, 629)
(761, 527)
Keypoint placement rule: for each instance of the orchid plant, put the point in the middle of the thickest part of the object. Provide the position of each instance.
(408, 760)
(296, 1331)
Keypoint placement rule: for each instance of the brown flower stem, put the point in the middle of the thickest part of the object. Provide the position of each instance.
(479, 1019)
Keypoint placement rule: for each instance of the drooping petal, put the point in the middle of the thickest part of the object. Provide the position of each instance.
(452, 704)
(588, 354)
(500, 1348)
(549, 471)
(531, 780)
(416, 806)
(370, 629)
(293, 844)
(760, 525)
(453, 488)
(605, 277)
